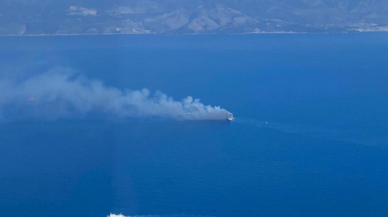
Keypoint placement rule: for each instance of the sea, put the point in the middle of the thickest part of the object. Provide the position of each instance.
(310, 136)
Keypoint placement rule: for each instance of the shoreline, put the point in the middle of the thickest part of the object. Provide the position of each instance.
(194, 34)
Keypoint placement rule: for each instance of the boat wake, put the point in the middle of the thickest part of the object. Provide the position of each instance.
(121, 215)
(247, 121)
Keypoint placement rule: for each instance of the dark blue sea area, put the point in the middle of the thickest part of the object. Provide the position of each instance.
(310, 136)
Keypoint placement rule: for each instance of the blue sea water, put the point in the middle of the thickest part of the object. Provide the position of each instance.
(323, 151)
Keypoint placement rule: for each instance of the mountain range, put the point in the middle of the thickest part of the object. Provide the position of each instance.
(48, 17)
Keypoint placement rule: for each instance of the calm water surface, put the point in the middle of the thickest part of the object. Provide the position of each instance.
(322, 153)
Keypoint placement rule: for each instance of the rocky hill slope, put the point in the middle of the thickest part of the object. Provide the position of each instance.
(46, 17)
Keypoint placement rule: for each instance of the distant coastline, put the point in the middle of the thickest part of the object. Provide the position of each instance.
(187, 34)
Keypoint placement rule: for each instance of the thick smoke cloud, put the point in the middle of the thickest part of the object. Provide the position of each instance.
(61, 93)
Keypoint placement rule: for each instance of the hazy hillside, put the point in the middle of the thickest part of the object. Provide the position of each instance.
(19, 17)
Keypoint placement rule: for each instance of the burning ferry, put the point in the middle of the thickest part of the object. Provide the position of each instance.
(230, 117)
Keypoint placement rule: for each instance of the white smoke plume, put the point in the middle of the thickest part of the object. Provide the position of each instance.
(61, 93)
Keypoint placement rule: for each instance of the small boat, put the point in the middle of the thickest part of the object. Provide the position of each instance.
(114, 215)
(230, 117)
